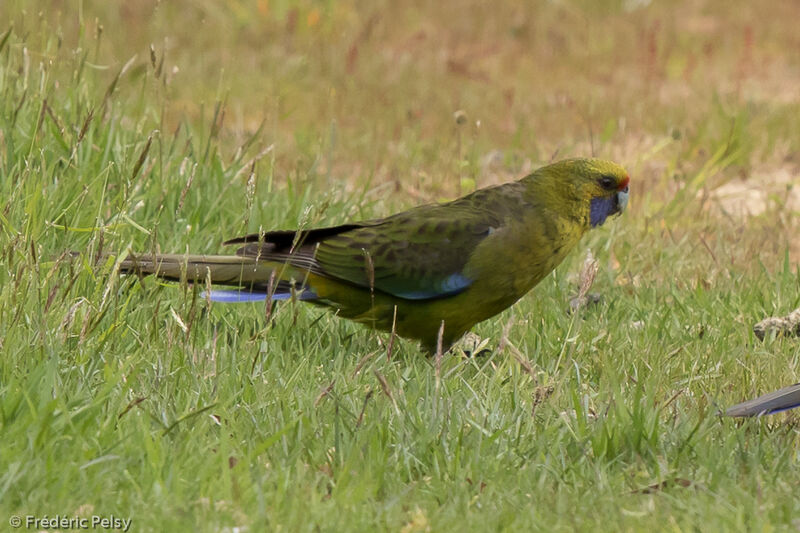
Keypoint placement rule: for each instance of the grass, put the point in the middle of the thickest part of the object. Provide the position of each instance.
(137, 399)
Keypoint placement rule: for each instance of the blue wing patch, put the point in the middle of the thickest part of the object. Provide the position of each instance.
(450, 286)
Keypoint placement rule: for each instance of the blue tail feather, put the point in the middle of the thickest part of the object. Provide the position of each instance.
(242, 295)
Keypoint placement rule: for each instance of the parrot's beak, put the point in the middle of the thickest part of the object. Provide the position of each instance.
(621, 199)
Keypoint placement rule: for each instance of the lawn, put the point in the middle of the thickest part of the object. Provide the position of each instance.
(172, 126)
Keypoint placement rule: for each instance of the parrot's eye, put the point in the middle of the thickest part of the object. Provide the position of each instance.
(609, 183)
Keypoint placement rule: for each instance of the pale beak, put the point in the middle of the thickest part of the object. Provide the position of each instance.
(622, 199)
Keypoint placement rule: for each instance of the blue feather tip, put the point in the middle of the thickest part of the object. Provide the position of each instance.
(233, 296)
(243, 296)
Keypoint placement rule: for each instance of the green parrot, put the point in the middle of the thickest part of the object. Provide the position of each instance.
(429, 273)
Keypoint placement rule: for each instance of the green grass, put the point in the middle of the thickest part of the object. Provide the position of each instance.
(138, 399)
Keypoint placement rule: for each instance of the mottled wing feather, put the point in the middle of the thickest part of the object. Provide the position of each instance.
(418, 254)
(289, 238)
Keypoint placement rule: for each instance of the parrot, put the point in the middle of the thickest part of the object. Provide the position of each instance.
(773, 402)
(427, 274)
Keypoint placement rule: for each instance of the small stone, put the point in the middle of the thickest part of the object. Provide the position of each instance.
(788, 326)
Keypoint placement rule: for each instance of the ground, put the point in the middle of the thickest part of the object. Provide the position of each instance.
(175, 125)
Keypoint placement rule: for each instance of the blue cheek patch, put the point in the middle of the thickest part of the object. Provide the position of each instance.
(600, 209)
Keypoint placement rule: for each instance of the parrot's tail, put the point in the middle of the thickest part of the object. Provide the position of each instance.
(218, 269)
(774, 402)
(256, 280)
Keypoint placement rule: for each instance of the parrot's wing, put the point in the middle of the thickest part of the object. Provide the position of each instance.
(418, 254)
(286, 240)
(774, 402)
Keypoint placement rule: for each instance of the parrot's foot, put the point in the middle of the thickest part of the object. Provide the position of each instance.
(485, 352)
(471, 345)
(474, 346)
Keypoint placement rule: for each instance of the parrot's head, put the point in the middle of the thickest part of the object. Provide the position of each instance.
(596, 184)
(607, 186)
